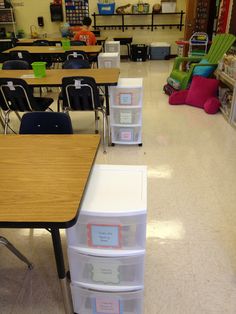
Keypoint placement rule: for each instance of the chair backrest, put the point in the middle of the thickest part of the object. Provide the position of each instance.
(76, 64)
(220, 45)
(76, 54)
(16, 95)
(77, 43)
(41, 42)
(45, 123)
(80, 93)
(16, 65)
(21, 55)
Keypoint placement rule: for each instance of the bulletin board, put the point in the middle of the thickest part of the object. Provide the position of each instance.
(76, 10)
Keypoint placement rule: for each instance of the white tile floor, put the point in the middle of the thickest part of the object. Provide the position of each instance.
(191, 234)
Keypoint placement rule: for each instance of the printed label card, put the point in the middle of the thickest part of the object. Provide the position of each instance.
(104, 236)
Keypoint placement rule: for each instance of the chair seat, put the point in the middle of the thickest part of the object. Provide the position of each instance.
(42, 103)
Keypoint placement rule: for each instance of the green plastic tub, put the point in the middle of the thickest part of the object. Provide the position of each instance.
(65, 44)
(39, 69)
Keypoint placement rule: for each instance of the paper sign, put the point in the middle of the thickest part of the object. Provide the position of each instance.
(126, 134)
(104, 236)
(126, 117)
(27, 76)
(107, 306)
(106, 272)
(126, 99)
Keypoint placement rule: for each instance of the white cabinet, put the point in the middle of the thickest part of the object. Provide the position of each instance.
(227, 96)
(126, 100)
(106, 247)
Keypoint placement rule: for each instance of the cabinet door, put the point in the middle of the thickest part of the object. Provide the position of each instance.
(191, 6)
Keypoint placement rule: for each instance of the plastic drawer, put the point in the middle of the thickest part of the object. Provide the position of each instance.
(108, 233)
(126, 115)
(128, 92)
(112, 46)
(109, 60)
(94, 302)
(107, 273)
(126, 134)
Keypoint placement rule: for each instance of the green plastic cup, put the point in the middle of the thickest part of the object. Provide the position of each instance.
(65, 44)
(39, 69)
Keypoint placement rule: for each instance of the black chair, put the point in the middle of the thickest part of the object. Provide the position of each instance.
(21, 55)
(80, 93)
(72, 64)
(14, 250)
(46, 123)
(76, 54)
(41, 42)
(16, 96)
(77, 43)
(16, 65)
(47, 59)
(76, 64)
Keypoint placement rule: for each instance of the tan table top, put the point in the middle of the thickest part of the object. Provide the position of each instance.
(56, 39)
(43, 177)
(103, 76)
(56, 50)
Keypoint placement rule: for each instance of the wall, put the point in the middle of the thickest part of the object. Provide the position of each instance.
(27, 11)
(139, 35)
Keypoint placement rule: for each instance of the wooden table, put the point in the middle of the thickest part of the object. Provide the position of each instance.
(52, 41)
(103, 77)
(49, 50)
(43, 178)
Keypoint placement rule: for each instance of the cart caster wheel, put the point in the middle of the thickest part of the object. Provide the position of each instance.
(141, 144)
(112, 144)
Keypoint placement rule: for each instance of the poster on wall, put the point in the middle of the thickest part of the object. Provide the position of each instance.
(76, 10)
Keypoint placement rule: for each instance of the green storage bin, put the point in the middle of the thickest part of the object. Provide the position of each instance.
(39, 69)
(65, 44)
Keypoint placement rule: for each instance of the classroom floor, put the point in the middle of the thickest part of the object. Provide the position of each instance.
(191, 233)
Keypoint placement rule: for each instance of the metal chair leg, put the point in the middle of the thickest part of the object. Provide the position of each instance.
(96, 121)
(6, 121)
(14, 250)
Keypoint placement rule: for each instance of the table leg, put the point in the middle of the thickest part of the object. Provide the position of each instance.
(107, 101)
(56, 239)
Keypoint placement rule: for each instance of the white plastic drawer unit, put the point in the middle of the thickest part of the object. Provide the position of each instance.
(128, 92)
(94, 302)
(109, 60)
(113, 211)
(124, 273)
(126, 116)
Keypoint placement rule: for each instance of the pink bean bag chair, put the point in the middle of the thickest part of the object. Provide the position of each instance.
(202, 94)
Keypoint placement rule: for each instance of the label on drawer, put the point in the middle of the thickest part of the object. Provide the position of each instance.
(106, 272)
(104, 236)
(126, 117)
(107, 306)
(126, 134)
(126, 99)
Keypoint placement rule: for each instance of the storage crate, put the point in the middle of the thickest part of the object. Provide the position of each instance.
(109, 60)
(112, 46)
(159, 51)
(126, 116)
(128, 92)
(108, 221)
(94, 302)
(106, 8)
(139, 52)
(168, 6)
(126, 135)
(124, 273)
